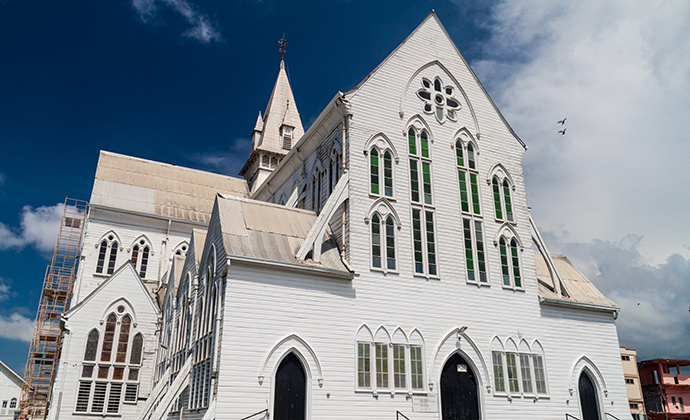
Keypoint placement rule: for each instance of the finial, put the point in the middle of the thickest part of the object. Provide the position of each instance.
(283, 47)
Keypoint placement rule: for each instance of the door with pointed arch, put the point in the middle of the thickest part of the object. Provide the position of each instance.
(459, 390)
(290, 397)
(589, 403)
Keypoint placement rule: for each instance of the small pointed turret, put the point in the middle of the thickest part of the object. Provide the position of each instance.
(275, 133)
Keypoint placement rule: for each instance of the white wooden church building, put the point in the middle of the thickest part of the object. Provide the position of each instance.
(382, 263)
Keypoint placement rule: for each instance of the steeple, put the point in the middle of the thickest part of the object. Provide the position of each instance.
(275, 133)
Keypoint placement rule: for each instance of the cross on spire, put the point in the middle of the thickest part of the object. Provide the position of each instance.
(283, 47)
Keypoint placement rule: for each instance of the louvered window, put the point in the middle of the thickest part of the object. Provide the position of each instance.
(114, 398)
(83, 396)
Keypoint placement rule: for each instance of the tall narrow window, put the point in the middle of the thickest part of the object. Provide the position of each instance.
(470, 156)
(499, 378)
(504, 261)
(381, 365)
(458, 153)
(399, 378)
(469, 254)
(376, 241)
(416, 369)
(423, 229)
(474, 188)
(390, 243)
(108, 338)
(516, 263)
(113, 257)
(363, 365)
(414, 180)
(464, 196)
(526, 373)
(316, 191)
(144, 262)
(539, 374)
(417, 240)
(412, 141)
(374, 170)
(430, 244)
(388, 174)
(511, 365)
(123, 340)
(101, 256)
(497, 198)
(506, 200)
(91, 347)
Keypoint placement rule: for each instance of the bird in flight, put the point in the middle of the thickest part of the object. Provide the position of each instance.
(561, 122)
(562, 132)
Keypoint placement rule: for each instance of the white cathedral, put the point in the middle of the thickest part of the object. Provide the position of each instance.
(381, 265)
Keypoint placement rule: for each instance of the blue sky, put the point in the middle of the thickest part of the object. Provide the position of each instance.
(181, 81)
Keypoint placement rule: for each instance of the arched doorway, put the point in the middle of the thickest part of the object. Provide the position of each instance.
(290, 401)
(459, 395)
(589, 404)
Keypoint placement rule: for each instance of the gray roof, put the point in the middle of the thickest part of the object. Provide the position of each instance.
(579, 287)
(156, 188)
(261, 231)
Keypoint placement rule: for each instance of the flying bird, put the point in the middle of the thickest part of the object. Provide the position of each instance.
(562, 132)
(561, 122)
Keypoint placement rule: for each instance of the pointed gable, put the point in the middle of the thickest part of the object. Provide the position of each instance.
(429, 46)
(280, 110)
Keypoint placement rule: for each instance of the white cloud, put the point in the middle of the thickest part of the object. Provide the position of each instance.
(5, 289)
(654, 299)
(620, 72)
(202, 29)
(16, 327)
(38, 228)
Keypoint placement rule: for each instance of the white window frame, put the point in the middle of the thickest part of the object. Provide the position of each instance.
(109, 238)
(475, 250)
(383, 234)
(425, 247)
(381, 172)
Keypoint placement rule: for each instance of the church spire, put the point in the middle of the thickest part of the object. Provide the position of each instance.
(276, 132)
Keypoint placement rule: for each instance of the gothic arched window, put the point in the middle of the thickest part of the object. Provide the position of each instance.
(107, 255)
(141, 252)
(101, 385)
(510, 262)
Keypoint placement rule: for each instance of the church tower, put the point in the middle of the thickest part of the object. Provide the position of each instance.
(275, 132)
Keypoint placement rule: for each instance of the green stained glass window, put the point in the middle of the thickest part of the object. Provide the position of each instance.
(376, 241)
(424, 140)
(390, 243)
(470, 156)
(414, 180)
(475, 193)
(417, 239)
(464, 198)
(374, 171)
(506, 200)
(426, 173)
(504, 262)
(469, 256)
(388, 174)
(497, 198)
(412, 141)
(430, 243)
(516, 263)
(458, 153)
(481, 259)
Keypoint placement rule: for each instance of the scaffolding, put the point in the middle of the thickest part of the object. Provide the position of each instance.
(46, 343)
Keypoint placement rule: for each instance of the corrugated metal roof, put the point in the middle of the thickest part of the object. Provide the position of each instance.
(580, 288)
(145, 186)
(265, 231)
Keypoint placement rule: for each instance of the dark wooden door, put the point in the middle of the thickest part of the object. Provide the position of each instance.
(291, 390)
(588, 398)
(459, 399)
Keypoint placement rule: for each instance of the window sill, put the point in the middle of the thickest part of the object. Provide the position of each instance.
(513, 288)
(427, 276)
(479, 284)
(101, 275)
(383, 270)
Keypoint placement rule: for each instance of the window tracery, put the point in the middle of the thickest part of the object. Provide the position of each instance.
(101, 384)
(439, 100)
(141, 253)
